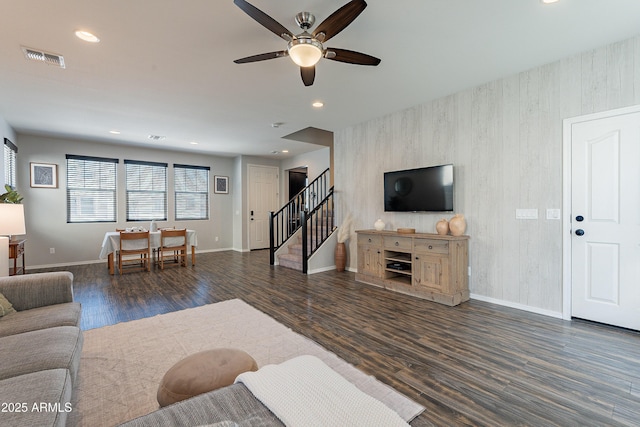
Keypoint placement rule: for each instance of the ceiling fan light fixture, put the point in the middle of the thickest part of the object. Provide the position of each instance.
(305, 52)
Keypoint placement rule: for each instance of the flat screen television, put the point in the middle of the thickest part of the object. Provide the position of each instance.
(427, 189)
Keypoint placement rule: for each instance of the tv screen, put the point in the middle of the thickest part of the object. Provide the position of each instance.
(427, 189)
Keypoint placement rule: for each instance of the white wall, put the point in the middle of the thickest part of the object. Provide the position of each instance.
(505, 141)
(45, 209)
(316, 162)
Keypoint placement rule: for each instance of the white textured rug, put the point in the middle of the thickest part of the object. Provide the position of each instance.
(123, 364)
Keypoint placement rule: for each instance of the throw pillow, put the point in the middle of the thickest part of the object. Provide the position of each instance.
(5, 306)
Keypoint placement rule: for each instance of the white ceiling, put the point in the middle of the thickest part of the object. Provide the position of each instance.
(165, 67)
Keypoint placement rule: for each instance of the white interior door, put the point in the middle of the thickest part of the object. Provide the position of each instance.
(605, 220)
(263, 198)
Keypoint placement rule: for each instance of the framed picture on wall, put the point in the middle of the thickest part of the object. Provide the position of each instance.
(44, 175)
(221, 184)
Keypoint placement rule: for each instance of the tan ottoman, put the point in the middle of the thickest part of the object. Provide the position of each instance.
(203, 372)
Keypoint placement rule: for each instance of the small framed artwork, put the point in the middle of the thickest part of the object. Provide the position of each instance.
(44, 175)
(221, 184)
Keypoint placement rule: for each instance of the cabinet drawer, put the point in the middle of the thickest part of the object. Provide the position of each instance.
(395, 243)
(431, 246)
(370, 239)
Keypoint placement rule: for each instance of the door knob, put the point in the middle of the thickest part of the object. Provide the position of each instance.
(579, 232)
(579, 218)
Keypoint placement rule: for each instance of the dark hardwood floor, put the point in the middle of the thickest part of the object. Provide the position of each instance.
(475, 364)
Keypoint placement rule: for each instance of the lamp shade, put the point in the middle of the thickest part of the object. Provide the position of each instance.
(12, 219)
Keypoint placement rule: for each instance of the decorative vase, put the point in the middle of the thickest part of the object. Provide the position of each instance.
(379, 225)
(442, 227)
(340, 256)
(457, 225)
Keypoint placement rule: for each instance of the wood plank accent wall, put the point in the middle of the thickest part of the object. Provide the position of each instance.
(505, 140)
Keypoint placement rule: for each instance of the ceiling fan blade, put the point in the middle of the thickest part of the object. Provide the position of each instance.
(262, 57)
(265, 20)
(351, 57)
(339, 20)
(308, 75)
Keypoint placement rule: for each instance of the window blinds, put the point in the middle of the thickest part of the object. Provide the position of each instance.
(146, 190)
(91, 189)
(10, 154)
(191, 192)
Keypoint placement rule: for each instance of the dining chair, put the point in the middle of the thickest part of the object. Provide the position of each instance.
(173, 245)
(134, 243)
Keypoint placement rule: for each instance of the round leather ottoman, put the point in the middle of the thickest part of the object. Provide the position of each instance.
(202, 372)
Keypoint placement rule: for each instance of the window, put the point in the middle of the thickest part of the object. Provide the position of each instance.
(91, 189)
(146, 190)
(10, 153)
(191, 192)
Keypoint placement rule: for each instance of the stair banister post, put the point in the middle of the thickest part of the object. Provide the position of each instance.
(272, 251)
(305, 261)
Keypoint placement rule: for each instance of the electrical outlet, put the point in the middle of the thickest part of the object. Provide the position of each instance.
(216, 238)
(52, 250)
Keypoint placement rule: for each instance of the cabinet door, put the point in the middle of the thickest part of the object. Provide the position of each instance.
(430, 272)
(369, 260)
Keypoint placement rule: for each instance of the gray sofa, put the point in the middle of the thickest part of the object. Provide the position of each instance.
(40, 348)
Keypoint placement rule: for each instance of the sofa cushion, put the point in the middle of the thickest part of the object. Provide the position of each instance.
(27, 291)
(34, 351)
(202, 372)
(67, 314)
(5, 306)
(37, 399)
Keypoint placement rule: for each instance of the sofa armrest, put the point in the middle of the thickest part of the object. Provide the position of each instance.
(37, 290)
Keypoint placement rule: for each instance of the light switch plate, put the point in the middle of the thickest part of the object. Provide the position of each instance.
(553, 213)
(526, 213)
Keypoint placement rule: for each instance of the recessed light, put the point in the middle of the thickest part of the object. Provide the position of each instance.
(549, 1)
(87, 36)
(285, 151)
(115, 132)
(318, 104)
(193, 143)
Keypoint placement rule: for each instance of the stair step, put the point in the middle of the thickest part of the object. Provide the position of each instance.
(290, 261)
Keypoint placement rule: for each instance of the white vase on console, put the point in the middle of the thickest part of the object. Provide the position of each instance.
(379, 225)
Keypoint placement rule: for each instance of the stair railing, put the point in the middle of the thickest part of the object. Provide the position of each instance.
(317, 225)
(285, 222)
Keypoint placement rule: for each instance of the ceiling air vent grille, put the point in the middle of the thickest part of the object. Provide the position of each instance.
(46, 57)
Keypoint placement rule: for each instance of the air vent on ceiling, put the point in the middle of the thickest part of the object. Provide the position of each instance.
(46, 57)
(156, 137)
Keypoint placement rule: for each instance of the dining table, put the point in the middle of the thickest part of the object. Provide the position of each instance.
(111, 244)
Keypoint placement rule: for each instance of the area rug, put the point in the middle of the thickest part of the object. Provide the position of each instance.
(122, 364)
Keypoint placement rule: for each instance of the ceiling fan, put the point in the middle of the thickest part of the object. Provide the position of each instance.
(306, 49)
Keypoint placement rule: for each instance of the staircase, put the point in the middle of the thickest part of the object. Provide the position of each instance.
(293, 256)
(302, 225)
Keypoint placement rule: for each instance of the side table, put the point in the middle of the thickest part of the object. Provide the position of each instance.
(16, 250)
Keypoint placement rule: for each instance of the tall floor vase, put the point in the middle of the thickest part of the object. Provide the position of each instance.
(341, 256)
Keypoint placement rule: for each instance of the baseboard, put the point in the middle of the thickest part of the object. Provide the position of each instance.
(550, 313)
(98, 261)
(321, 270)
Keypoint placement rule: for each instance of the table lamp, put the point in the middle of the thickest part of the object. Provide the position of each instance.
(11, 224)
